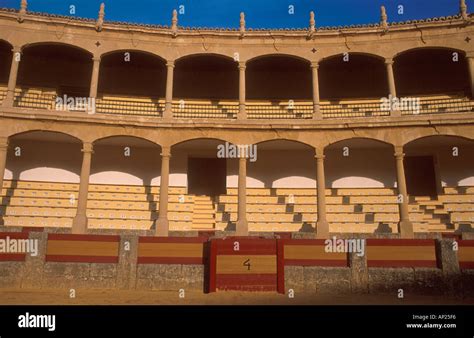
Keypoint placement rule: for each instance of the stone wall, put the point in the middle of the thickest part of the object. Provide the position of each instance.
(356, 278)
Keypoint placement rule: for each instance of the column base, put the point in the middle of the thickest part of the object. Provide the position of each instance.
(396, 113)
(162, 227)
(242, 228)
(242, 115)
(317, 113)
(406, 229)
(8, 102)
(79, 224)
(168, 112)
(322, 229)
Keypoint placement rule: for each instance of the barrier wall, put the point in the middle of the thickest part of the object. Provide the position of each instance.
(207, 264)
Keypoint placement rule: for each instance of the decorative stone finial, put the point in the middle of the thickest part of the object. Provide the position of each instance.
(100, 18)
(463, 10)
(312, 22)
(174, 22)
(22, 12)
(383, 18)
(242, 24)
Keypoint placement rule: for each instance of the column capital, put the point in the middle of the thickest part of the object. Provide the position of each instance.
(470, 55)
(242, 65)
(165, 151)
(170, 63)
(314, 64)
(319, 153)
(389, 61)
(88, 147)
(399, 154)
(17, 49)
(96, 58)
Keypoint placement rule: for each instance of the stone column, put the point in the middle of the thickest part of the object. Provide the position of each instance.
(391, 85)
(95, 77)
(405, 226)
(16, 58)
(79, 224)
(317, 115)
(322, 225)
(162, 224)
(470, 62)
(168, 113)
(3, 159)
(242, 228)
(242, 113)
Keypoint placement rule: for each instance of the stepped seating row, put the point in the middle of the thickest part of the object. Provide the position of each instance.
(54, 204)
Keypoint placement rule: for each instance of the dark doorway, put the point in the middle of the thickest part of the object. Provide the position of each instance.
(206, 176)
(420, 176)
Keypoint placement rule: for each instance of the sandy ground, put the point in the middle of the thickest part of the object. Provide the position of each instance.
(127, 297)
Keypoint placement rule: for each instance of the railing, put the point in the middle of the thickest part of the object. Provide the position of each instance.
(45, 98)
(438, 105)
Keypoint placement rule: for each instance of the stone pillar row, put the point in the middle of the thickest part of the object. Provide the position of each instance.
(170, 64)
(80, 222)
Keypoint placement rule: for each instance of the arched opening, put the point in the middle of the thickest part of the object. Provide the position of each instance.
(440, 181)
(41, 179)
(206, 77)
(5, 62)
(201, 168)
(124, 183)
(361, 176)
(430, 71)
(278, 77)
(351, 76)
(55, 69)
(132, 73)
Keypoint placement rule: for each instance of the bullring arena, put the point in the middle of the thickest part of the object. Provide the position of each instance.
(117, 158)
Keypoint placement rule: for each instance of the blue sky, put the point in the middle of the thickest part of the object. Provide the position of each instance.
(259, 13)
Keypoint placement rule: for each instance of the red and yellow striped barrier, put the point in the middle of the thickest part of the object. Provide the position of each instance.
(82, 248)
(171, 250)
(243, 264)
(5, 249)
(306, 252)
(466, 254)
(401, 253)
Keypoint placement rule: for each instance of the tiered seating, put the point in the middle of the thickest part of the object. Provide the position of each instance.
(47, 204)
(3, 93)
(113, 104)
(205, 109)
(438, 104)
(353, 108)
(279, 110)
(348, 210)
(38, 98)
(458, 203)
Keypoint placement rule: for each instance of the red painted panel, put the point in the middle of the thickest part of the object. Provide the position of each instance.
(170, 260)
(400, 242)
(87, 238)
(172, 239)
(8, 257)
(317, 262)
(256, 282)
(81, 259)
